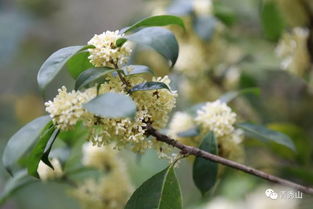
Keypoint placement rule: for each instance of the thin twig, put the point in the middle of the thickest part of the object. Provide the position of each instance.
(215, 158)
(124, 81)
(122, 78)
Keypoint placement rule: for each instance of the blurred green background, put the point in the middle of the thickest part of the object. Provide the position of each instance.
(30, 30)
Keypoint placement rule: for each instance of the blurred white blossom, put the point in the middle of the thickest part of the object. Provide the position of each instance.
(293, 50)
(112, 189)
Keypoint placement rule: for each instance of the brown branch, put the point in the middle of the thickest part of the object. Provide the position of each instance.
(215, 158)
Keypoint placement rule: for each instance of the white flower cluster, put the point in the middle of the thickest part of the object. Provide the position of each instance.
(217, 117)
(106, 53)
(46, 173)
(213, 116)
(153, 107)
(110, 191)
(157, 103)
(66, 108)
(293, 50)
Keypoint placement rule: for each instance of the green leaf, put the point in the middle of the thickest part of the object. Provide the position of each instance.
(149, 86)
(160, 20)
(264, 134)
(73, 136)
(120, 42)
(91, 76)
(22, 141)
(204, 171)
(161, 40)
(272, 21)
(161, 191)
(54, 64)
(112, 105)
(137, 69)
(194, 131)
(45, 156)
(78, 63)
(20, 180)
(229, 96)
(48, 134)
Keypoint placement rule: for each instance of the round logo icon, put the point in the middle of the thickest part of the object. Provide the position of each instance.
(271, 194)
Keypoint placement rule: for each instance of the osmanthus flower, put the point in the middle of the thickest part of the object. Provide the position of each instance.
(153, 107)
(217, 117)
(66, 108)
(106, 53)
(112, 189)
(46, 173)
(294, 52)
(158, 103)
(212, 116)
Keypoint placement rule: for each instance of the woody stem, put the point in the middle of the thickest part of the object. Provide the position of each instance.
(215, 158)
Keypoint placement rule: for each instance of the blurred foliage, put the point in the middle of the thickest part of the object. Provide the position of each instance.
(250, 32)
